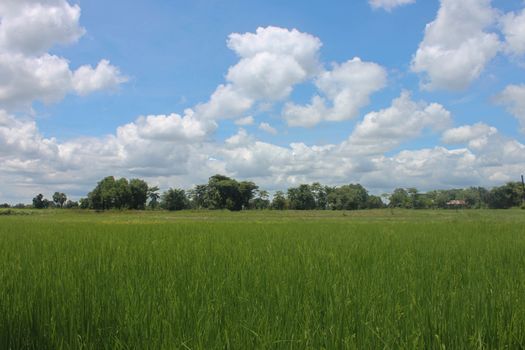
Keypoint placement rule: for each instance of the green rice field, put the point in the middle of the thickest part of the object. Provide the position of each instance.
(263, 280)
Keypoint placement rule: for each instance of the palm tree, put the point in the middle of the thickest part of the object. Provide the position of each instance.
(153, 196)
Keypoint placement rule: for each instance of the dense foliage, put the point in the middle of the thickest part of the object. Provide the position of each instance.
(502, 197)
(174, 199)
(118, 194)
(223, 192)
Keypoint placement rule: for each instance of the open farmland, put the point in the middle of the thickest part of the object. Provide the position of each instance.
(262, 279)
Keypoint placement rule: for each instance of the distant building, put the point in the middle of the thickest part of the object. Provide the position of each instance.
(456, 203)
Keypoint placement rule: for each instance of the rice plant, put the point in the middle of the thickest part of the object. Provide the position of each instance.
(268, 280)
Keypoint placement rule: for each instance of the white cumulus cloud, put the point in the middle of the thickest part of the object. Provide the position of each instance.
(513, 98)
(33, 27)
(475, 135)
(179, 149)
(174, 149)
(266, 127)
(427, 167)
(347, 87)
(87, 79)
(23, 79)
(272, 61)
(383, 130)
(456, 47)
(173, 127)
(513, 28)
(151, 146)
(28, 73)
(282, 42)
(226, 102)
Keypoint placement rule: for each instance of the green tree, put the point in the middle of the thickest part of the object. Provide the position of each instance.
(71, 204)
(59, 199)
(279, 201)
(261, 201)
(440, 198)
(103, 195)
(111, 194)
(474, 197)
(174, 199)
(122, 194)
(506, 196)
(348, 197)
(153, 196)
(320, 193)
(399, 198)
(138, 194)
(415, 199)
(226, 193)
(223, 192)
(198, 196)
(84, 203)
(374, 202)
(301, 198)
(247, 191)
(39, 202)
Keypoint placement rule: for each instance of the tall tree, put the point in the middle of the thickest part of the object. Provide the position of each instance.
(198, 196)
(103, 195)
(399, 198)
(122, 194)
(374, 202)
(301, 198)
(39, 202)
(225, 193)
(174, 199)
(415, 200)
(84, 203)
(320, 193)
(71, 204)
(348, 197)
(279, 201)
(506, 196)
(111, 194)
(261, 200)
(59, 199)
(138, 190)
(247, 190)
(153, 196)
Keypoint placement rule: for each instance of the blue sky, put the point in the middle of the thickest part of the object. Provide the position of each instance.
(175, 51)
(387, 93)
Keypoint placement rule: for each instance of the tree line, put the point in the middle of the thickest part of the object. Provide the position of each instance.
(223, 192)
(502, 197)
